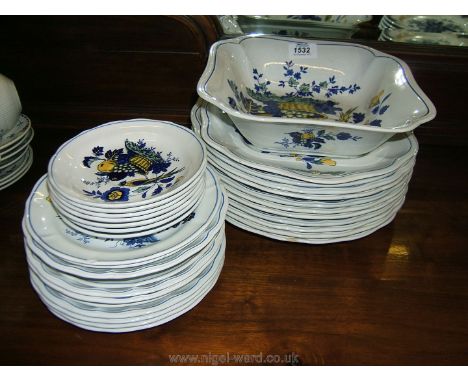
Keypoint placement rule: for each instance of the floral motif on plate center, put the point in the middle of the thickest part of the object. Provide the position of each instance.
(138, 169)
(301, 101)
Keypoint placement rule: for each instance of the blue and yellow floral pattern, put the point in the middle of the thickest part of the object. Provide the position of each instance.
(136, 159)
(313, 139)
(305, 99)
(133, 243)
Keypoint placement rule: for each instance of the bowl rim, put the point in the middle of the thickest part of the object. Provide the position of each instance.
(92, 203)
(211, 67)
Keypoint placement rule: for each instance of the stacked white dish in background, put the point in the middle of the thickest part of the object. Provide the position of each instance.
(305, 155)
(304, 26)
(126, 231)
(434, 30)
(16, 133)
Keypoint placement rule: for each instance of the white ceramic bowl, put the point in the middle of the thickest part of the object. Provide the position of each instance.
(127, 163)
(129, 212)
(149, 213)
(340, 99)
(10, 105)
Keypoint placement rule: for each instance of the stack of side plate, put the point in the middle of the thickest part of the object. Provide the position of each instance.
(126, 230)
(15, 135)
(305, 198)
(16, 156)
(122, 285)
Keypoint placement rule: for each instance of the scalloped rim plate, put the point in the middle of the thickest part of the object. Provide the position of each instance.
(388, 157)
(47, 229)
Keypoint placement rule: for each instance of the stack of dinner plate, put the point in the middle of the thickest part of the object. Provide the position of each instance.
(126, 231)
(305, 198)
(15, 135)
(313, 140)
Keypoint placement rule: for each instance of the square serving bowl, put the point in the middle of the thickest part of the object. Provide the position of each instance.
(309, 96)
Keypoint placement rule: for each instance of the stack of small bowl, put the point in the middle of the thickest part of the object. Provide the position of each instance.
(126, 231)
(434, 30)
(311, 139)
(16, 133)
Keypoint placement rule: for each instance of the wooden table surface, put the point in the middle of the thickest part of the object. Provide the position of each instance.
(398, 296)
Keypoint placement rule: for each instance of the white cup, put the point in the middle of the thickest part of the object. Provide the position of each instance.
(10, 105)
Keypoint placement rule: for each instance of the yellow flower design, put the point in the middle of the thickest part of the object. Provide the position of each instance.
(115, 195)
(106, 166)
(328, 162)
(307, 136)
(376, 99)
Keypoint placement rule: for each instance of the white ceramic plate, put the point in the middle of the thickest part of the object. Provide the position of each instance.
(135, 232)
(248, 181)
(113, 275)
(283, 236)
(247, 175)
(47, 229)
(13, 161)
(19, 173)
(132, 296)
(127, 162)
(130, 215)
(294, 204)
(139, 322)
(124, 288)
(16, 165)
(254, 200)
(18, 148)
(107, 313)
(314, 217)
(128, 210)
(17, 133)
(144, 222)
(319, 228)
(220, 134)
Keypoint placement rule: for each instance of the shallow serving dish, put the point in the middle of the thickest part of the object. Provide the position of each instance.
(130, 163)
(339, 98)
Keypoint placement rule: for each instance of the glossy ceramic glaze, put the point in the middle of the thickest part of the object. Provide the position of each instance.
(10, 106)
(219, 133)
(73, 247)
(127, 162)
(343, 99)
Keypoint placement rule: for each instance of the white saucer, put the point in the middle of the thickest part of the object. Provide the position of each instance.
(17, 133)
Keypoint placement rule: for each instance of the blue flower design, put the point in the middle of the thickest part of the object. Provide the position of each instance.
(140, 242)
(312, 139)
(298, 101)
(343, 136)
(358, 117)
(98, 150)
